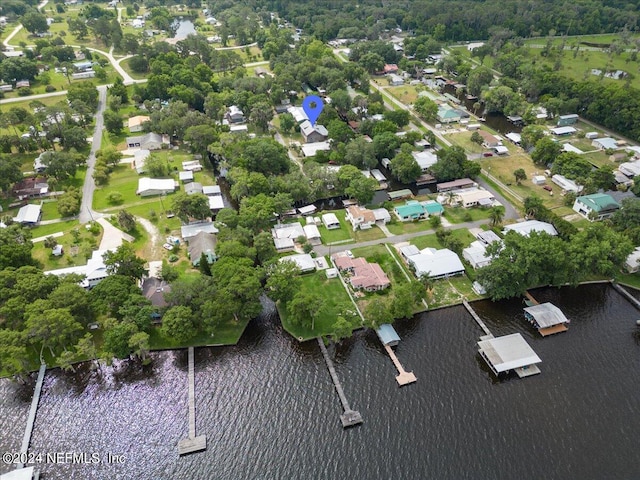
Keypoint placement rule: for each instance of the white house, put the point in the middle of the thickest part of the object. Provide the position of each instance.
(155, 186)
(313, 234)
(303, 261)
(185, 176)
(330, 221)
(632, 263)
(360, 217)
(192, 166)
(216, 203)
(605, 143)
(596, 206)
(425, 159)
(525, 228)
(311, 149)
(234, 115)
(284, 235)
(566, 184)
(476, 255)
(436, 263)
(192, 229)
(474, 196)
(630, 169)
(29, 215)
(94, 271)
(395, 80)
(313, 133)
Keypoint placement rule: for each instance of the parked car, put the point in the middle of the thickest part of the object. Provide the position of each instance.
(348, 253)
(487, 154)
(547, 188)
(167, 246)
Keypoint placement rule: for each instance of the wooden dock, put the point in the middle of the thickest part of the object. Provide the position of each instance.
(531, 299)
(553, 330)
(192, 443)
(477, 318)
(403, 377)
(350, 417)
(26, 440)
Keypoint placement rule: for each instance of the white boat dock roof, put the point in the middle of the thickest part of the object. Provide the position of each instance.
(546, 315)
(508, 353)
(377, 174)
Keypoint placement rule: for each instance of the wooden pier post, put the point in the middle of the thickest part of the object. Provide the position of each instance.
(26, 440)
(192, 443)
(350, 417)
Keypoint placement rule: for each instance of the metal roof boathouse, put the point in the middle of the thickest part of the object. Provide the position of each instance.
(546, 318)
(510, 352)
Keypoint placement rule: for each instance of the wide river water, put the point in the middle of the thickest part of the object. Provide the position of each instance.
(269, 409)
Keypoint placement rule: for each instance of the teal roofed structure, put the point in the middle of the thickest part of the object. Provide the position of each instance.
(410, 211)
(388, 335)
(433, 208)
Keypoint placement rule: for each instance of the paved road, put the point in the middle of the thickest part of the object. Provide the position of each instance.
(326, 250)
(33, 97)
(19, 27)
(86, 212)
(509, 210)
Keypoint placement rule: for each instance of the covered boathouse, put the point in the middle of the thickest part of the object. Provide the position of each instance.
(546, 318)
(388, 335)
(510, 352)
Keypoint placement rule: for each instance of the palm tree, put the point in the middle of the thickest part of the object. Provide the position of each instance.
(496, 215)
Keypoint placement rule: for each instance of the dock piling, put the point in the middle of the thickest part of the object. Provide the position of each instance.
(350, 417)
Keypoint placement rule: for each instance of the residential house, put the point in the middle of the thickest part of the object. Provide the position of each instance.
(238, 129)
(149, 141)
(448, 115)
(411, 210)
(155, 186)
(563, 131)
(396, 80)
(488, 237)
(39, 163)
(488, 140)
(311, 149)
(433, 208)
(313, 234)
(525, 228)
(192, 229)
(29, 215)
(94, 271)
(472, 197)
(192, 166)
(630, 169)
(192, 188)
(30, 188)
(285, 235)
(136, 123)
(476, 255)
(216, 203)
(596, 206)
(565, 120)
(234, 114)
(299, 115)
(154, 290)
(363, 275)
(202, 242)
(313, 133)
(185, 176)
(632, 263)
(381, 215)
(566, 184)
(212, 190)
(360, 217)
(605, 143)
(330, 221)
(303, 261)
(425, 159)
(390, 68)
(456, 185)
(436, 264)
(409, 251)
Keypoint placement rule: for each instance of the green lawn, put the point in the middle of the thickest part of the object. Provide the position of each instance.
(432, 241)
(333, 294)
(345, 232)
(461, 214)
(127, 68)
(373, 233)
(124, 180)
(398, 228)
(42, 230)
(75, 253)
(227, 333)
(463, 139)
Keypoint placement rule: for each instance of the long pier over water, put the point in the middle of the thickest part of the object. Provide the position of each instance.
(350, 417)
(192, 443)
(26, 440)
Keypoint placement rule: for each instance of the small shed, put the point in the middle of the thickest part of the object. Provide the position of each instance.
(186, 176)
(388, 335)
(331, 272)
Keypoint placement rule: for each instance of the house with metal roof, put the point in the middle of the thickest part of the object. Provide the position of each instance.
(330, 221)
(564, 120)
(632, 263)
(525, 228)
(313, 133)
(150, 141)
(488, 237)
(630, 169)
(192, 229)
(472, 197)
(284, 235)
(303, 261)
(596, 206)
(476, 255)
(155, 186)
(455, 185)
(436, 264)
(563, 131)
(411, 210)
(605, 143)
(432, 207)
(448, 115)
(211, 190)
(192, 188)
(388, 335)
(185, 176)
(510, 352)
(29, 215)
(566, 184)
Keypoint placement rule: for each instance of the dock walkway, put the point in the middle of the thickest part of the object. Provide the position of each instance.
(477, 318)
(350, 417)
(626, 294)
(403, 377)
(26, 440)
(192, 443)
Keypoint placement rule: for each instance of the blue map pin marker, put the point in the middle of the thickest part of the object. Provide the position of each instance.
(312, 112)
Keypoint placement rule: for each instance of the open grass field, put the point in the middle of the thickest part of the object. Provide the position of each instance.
(123, 180)
(76, 252)
(407, 94)
(463, 139)
(227, 333)
(431, 241)
(127, 68)
(398, 228)
(333, 294)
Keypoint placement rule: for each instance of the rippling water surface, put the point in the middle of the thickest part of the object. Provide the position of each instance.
(269, 409)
